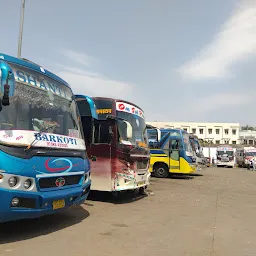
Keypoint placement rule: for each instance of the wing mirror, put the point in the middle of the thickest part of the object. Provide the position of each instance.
(128, 130)
(7, 83)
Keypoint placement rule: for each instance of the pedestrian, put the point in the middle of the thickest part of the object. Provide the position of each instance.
(213, 161)
(251, 164)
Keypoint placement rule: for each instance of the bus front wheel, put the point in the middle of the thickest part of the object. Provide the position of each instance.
(161, 171)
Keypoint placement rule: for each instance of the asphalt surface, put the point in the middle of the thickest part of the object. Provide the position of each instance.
(213, 214)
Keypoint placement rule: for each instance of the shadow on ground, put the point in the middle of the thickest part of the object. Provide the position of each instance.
(27, 229)
(196, 174)
(117, 198)
(180, 177)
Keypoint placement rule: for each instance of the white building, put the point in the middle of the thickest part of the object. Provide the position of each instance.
(248, 137)
(218, 133)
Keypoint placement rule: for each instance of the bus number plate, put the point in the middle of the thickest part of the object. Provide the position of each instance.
(58, 204)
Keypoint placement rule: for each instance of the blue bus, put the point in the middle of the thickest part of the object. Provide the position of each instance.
(170, 152)
(197, 148)
(44, 167)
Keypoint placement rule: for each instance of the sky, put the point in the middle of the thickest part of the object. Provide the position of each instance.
(179, 60)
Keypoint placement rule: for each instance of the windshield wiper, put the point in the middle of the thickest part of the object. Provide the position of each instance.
(38, 134)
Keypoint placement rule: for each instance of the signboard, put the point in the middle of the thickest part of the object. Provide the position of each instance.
(225, 149)
(250, 149)
(125, 107)
(32, 78)
(104, 111)
(24, 138)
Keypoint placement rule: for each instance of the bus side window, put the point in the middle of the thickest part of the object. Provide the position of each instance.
(175, 144)
(102, 133)
(87, 128)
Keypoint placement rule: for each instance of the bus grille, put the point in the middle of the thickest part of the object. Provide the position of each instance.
(50, 181)
(142, 164)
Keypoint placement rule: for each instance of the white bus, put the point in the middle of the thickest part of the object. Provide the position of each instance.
(244, 155)
(225, 156)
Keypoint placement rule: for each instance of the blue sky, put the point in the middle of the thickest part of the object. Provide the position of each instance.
(179, 60)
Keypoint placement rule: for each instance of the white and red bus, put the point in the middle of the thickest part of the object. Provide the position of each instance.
(244, 155)
(225, 156)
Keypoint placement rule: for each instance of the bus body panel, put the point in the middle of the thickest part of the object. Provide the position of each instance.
(101, 168)
(182, 166)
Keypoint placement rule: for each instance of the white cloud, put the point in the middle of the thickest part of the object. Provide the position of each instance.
(235, 42)
(91, 85)
(84, 81)
(223, 103)
(80, 58)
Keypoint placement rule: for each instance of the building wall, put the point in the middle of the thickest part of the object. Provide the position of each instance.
(219, 133)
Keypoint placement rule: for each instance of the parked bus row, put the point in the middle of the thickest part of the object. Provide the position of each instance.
(53, 143)
(56, 146)
(228, 156)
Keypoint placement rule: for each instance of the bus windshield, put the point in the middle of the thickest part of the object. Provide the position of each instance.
(221, 153)
(139, 134)
(250, 153)
(187, 144)
(40, 104)
(152, 135)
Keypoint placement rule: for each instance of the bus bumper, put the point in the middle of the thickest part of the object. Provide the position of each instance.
(193, 167)
(36, 204)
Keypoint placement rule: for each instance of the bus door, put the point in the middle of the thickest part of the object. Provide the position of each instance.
(174, 154)
(101, 154)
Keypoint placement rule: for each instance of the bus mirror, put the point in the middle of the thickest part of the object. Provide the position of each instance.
(7, 83)
(128, 130)
(158, 135)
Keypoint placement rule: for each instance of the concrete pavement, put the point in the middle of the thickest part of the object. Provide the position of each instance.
(204, 215)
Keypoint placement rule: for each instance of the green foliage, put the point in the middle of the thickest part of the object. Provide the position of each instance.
(247, 127)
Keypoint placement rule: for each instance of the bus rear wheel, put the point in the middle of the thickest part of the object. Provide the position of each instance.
(161, 171)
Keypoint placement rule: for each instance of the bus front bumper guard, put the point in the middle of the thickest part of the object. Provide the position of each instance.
(36, 204)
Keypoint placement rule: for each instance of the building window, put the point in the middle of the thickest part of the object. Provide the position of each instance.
(185, 129)
(194, 130)
(234, 131)
(217, 142)
(250, 142)
(217, 131)
(226, 131)
(233, 142)
(201, 131)
(209, 131)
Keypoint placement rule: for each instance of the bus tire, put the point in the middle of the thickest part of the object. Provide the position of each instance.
(161, 171)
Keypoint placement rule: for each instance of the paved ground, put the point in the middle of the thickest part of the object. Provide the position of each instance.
(213, 214)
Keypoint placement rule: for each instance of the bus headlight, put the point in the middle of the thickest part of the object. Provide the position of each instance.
(13, 181)
(15, 202)
(27, 183)
(86, 176)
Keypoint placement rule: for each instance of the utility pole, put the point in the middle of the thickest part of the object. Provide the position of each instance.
(209, 140)
(21, 27)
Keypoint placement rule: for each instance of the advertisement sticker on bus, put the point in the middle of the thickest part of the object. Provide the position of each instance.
(125, 107)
